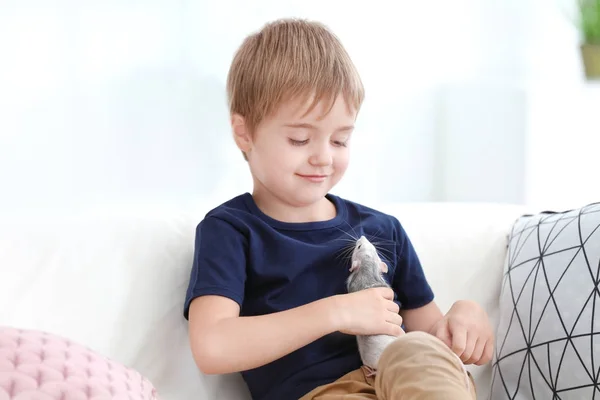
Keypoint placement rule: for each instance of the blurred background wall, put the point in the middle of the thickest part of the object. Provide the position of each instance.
(124, 101)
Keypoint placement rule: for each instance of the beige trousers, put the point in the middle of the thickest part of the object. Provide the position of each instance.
(417, 366)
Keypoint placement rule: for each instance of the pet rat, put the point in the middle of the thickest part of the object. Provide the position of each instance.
(367, 272)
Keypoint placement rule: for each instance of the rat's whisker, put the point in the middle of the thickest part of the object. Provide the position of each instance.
(382, 241)
(346, 239)
(384, 250)
(376, 233)
(344, 256)
(385, 259)
(379, 245)
(375, 238)
(385, 246)
(355, 233)
(345, 251)
(351, 241)
(343, 231)
(348, 249)
(385, 253)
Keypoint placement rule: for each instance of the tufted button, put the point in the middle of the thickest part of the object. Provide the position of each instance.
(40, 366)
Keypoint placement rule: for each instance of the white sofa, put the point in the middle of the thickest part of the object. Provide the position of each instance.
(115, 280)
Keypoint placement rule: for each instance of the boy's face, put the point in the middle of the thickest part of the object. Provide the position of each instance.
(297, 157)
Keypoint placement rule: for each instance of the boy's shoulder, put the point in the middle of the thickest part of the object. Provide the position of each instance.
(231, 215)
(235, 205)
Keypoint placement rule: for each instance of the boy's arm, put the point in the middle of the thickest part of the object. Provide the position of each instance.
(223, 342)
(422, 318)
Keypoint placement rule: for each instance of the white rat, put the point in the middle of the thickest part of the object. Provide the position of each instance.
(367, 272)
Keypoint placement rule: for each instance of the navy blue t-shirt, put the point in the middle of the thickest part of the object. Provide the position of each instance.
(268, 266)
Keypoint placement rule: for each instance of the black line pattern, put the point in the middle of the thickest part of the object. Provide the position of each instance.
(548, 339)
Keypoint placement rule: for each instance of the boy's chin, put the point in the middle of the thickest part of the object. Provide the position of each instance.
(309, 197)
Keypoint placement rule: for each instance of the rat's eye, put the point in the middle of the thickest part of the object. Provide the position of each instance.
(358, 247)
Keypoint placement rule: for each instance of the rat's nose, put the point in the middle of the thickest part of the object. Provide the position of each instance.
(361, 240)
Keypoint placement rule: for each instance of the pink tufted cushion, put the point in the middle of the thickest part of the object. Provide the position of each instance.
(37, 365)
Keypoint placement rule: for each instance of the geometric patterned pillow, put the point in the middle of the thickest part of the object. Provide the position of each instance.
(37, 365)
(548, 338)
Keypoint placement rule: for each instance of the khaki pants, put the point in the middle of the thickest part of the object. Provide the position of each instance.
(417, 366)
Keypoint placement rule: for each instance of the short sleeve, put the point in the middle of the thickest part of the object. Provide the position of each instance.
(409, 281)
(219, 264)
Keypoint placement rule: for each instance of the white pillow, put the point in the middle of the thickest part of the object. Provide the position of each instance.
(548, 339)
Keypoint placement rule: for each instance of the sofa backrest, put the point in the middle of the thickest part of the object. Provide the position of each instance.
(115, 280)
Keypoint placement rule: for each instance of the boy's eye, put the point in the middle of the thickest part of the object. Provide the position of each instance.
(341, 144)
(298, 142)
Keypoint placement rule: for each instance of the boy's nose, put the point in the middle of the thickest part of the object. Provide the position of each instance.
(321, 158)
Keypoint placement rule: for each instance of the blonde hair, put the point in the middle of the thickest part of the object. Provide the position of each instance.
(288, 58)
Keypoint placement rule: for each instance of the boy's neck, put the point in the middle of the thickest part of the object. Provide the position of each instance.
(322, 210)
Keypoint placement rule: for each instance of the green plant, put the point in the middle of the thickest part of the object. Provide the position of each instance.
(589, 13)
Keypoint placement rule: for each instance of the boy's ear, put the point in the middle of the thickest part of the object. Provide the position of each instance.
(384, 267)
(242, 137)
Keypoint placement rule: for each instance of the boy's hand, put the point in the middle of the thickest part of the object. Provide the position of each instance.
(369, 312)
(467, 331)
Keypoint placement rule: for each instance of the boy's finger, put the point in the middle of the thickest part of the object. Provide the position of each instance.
(395, 319)
(469, 348)
(394, 330)
(488, 353)
(443, 334)
(477, 353)
(459, 339)
(393, 307)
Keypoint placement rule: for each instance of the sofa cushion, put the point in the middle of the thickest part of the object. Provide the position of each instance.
(548, 339)
(43, 366)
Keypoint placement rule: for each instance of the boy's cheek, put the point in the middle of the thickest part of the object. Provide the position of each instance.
(341, 164)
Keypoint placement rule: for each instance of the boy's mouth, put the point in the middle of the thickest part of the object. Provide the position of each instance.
(313, 178)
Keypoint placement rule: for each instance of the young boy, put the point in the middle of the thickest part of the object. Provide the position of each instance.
(267, 294)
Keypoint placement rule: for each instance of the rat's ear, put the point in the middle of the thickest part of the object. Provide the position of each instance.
(384, 267)
(241, 135)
